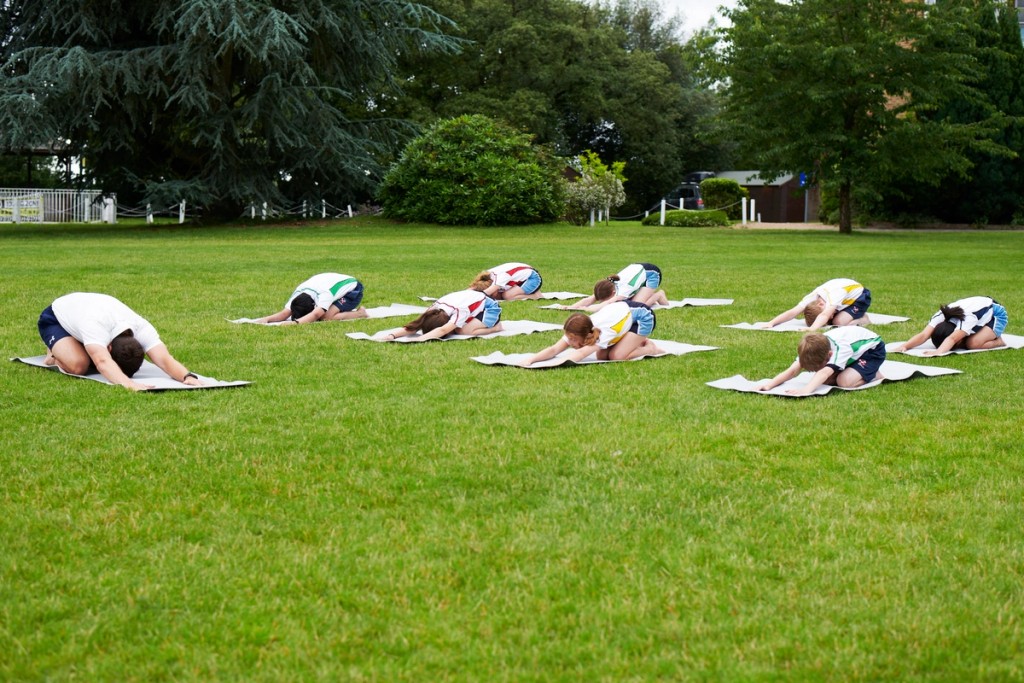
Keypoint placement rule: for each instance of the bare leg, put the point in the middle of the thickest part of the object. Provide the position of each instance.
(70, 356)
(475, 327)
(632, 346)
(843, 318)
(850, 378)
(984, 338)
(517, 294)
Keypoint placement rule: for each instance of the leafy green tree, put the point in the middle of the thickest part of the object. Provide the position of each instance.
(473, 170)
(609, 77)
(993, 191)
(216, 102)
(845, 89)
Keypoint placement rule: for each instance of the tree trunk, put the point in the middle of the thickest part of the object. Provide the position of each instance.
(845, 208)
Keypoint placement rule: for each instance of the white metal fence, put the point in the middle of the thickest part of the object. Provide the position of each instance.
(56, 206)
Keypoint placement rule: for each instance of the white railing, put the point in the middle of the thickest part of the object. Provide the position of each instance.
(56, 206)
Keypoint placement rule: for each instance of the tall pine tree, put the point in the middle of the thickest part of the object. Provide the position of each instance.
(219, 102)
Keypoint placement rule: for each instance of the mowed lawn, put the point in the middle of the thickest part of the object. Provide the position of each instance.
(389, 512)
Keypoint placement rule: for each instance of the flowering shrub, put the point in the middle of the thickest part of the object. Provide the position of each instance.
(598, 187)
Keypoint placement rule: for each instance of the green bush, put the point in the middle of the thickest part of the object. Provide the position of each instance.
(724, 194)
(473, 170)
(684, 218)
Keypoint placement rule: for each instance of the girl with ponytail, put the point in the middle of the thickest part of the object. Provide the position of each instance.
(509, 282)
(619, 331)
(467, 312)
(637, 282)
(974, 323)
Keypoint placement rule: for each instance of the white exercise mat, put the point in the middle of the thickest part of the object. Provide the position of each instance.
(797, 325)
(894, 371)
(671, 304)
(670, 348)
(543, 295)
(1013, 341)
(391, 311)
(510, 328)
(147, 374)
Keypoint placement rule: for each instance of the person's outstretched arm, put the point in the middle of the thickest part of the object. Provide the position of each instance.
(106, 366)
(784, 316)
(916, 340)
(549, 352)
(163, 359)
(819, 378)
(784, 376)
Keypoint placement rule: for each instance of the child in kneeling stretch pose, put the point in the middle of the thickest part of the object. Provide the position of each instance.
(509, 282)
(464, 312)
(976, 322)
(618, 331)
(637, 282)
(838, 302)
(844, 357)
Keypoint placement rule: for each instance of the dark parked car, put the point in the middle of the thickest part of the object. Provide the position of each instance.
(698, 176)
(686, 196)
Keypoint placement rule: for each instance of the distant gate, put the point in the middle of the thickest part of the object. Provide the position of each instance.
(56, 206)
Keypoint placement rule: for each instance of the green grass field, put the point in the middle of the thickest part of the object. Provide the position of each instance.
(386, 512)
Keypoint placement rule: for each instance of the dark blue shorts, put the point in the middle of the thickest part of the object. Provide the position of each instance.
(859, 307)
(868, 364)
(644, 321)
(50, 330)
(350, 301)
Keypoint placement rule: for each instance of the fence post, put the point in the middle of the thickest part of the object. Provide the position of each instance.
(181, 212)
(591, 218)
(753, 211)
(149, 214)
(662, 212)
(17, 210)
(743, 212)
(264, 211)
(323, 208)
(349, 210)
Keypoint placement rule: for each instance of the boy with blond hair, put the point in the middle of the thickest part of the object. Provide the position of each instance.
(838, 302)
(845, 357)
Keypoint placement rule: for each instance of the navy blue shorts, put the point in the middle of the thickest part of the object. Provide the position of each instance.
(644, 321)
(859, 307)
(350, 301)
(868, 364)
(50, 330)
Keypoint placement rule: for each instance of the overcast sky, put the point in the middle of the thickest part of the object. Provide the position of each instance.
(696, 12)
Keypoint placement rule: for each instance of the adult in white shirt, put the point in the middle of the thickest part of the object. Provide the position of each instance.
(85, 329)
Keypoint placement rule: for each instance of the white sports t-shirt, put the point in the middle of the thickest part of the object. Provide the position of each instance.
(462, 305)
(631, 279)
(977, 314)
(510, 274)
(612, 323)
(325, 288)
(97, 318)
(840, 293)
(848, 343)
